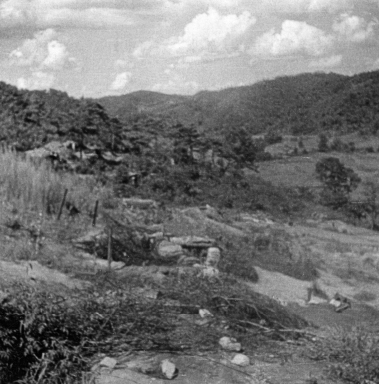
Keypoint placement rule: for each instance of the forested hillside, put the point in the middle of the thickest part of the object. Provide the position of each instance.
(30, 119)
(302, 104)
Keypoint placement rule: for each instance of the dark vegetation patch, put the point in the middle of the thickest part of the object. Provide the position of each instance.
(47, 338)
(302, 104)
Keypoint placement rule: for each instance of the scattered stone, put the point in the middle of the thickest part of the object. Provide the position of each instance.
(241, 360)
(168, 369)
(340, 303)
(205, 313)
(230, 344)
(169, 250)
(108, 362)
(213, 257)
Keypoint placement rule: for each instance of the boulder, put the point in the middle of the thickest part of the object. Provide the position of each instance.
(168, 250)
(241, 360)
(108, 362)
(168, 369)
(230, 344)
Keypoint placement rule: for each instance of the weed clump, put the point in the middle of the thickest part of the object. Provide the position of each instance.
(46, 338)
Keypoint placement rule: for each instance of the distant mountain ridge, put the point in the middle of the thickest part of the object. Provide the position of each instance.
(302, 104)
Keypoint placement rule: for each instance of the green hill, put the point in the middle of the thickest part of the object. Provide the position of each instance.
(30, 119)
(302, 104)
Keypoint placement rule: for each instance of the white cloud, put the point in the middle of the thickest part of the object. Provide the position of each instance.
(327, 62)
(353, 28)
(121, 80)
(120, 64)
(208, 35)
(295, 37)
(37, 80)
(42, 52)
(64, 13)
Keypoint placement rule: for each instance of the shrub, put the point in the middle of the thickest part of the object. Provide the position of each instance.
(47, 339)
(353, 355)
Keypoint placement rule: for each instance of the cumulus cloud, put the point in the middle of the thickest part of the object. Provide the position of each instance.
(208, 35)
(63, 13)
(295, 37)
(121, 80)
(43, 52)
(327, 62)
(353, 28)
(37, 80)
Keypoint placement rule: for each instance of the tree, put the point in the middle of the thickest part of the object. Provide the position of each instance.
(241, 149)
(338, 181)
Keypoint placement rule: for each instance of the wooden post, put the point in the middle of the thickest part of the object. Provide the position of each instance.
(95, 213)
(109, 253)
(62, 204)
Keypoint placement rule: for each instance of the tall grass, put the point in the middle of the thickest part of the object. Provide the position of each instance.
(30, 185)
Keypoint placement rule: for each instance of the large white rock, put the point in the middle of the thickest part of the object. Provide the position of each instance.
(230, 344)
(241, 360)
(108, 362)
(169, 250)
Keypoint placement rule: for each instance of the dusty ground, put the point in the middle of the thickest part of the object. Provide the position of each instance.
(347, 263)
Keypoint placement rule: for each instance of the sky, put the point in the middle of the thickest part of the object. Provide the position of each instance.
(94, 48)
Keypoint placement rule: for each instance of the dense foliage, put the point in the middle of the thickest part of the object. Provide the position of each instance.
(338, 181)
(302, 104)
(30, 119)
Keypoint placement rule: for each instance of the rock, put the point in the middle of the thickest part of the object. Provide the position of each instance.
(211, 212)
(193, 241)
(188, 261)
(103, 264)
(108, 362)
(241, 360)
(315, 300)
(168, 369)
(230, 344)
(140, 203)
(89, 238)
(169, 250)
(213, 257)
(210, 272)
(205, 313)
